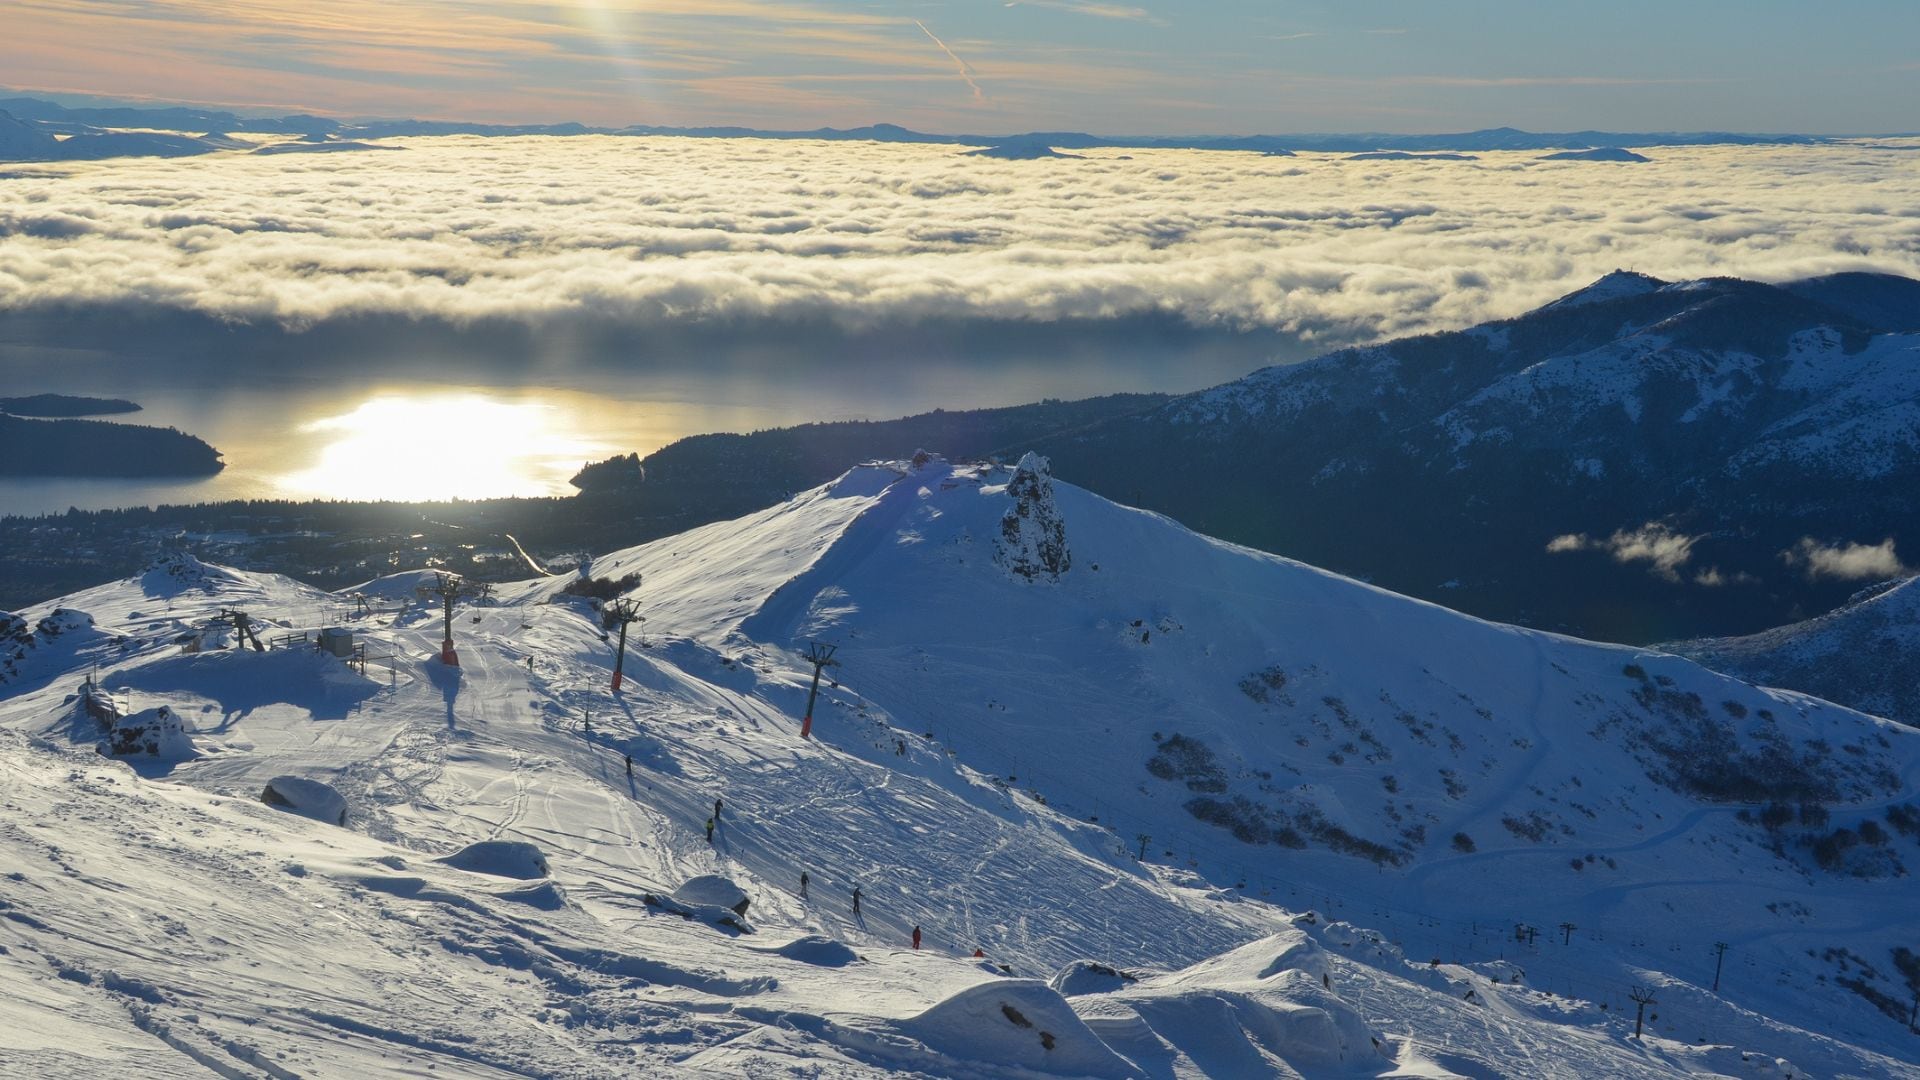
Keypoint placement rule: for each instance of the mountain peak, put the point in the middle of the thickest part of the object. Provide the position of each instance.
(1613, 286)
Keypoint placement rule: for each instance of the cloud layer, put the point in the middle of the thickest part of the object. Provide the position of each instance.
(1663, 550)
(1846, 561)
(653, 230)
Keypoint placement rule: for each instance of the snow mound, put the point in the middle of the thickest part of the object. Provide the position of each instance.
(866, 481)
(1087, 977)
(1276, 993)
(63, 621)
(308, 798)
(401, 586)
(720, 918)
(816, 950)
(1020, 1023)
(154, 733)
(500, 858)
(175, 573)
(546, 896)
(712, 890)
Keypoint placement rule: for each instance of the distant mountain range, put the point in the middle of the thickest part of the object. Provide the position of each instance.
(29, 126)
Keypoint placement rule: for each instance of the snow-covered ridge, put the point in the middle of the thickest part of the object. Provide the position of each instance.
(1862, 653)
(1614, 286)
(989, 757)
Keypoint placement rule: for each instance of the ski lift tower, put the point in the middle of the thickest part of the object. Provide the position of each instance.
(625, 611)
(242, 624)
(820, 656)
(450, 587)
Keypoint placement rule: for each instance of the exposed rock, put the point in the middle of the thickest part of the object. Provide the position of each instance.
(153, 732)
(308, 798)
(1033, 535)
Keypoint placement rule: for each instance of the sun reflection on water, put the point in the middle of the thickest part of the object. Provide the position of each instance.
(419, 447)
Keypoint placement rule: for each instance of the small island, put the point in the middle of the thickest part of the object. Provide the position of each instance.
(65, 405)
(1402, 155)
(1599, 153)
(100, 448)
(1019, 150)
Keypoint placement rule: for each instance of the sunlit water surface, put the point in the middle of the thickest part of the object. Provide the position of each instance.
(398, 442)
(295, 436)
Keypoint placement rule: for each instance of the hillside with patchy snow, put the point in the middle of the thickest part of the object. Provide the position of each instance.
(1626, 463)
(1202, 811)
(1861, 654)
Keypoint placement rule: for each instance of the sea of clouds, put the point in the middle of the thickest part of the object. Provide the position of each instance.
(648, 230)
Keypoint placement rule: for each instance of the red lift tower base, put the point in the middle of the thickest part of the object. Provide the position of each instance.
(447, 655)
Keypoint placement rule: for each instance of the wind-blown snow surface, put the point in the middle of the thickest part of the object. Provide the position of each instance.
(157, 917)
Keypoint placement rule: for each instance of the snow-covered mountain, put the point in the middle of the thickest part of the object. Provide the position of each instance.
(1352, 807)
(1861, 654)
(1533, 469)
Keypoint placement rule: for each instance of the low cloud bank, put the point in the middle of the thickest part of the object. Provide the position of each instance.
(1663, 550)
(674, 230)
(1846, 561)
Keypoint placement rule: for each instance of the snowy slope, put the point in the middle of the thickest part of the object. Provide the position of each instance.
(994, 746)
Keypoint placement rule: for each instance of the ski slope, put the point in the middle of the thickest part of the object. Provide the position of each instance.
(1299, 750)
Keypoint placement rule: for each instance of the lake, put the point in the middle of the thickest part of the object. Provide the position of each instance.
(371, 436)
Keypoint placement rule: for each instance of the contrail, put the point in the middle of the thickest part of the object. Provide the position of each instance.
(965, 71)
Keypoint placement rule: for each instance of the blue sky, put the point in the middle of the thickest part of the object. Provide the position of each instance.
(1232, 66)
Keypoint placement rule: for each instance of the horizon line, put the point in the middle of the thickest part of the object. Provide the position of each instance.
(273, 112)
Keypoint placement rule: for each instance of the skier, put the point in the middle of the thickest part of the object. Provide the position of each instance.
(709, 830)
(716, 809)
(856, 901)
(804, 879)
(979, 954)
(916, 937)
(629, 766)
